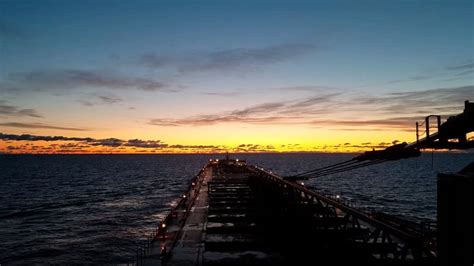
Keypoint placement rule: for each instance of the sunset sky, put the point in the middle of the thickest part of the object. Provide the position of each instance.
(243, 76)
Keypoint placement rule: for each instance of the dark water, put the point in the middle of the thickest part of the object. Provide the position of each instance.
(95, 209)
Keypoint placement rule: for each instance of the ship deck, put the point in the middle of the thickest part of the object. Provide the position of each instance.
(234, 214)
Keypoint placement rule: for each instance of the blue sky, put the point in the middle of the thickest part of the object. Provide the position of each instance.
(100, 64)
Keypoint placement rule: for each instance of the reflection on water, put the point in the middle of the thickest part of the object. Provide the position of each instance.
(94, 209)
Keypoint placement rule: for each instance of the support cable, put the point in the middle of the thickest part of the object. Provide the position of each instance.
(341, 164)
(346, 169)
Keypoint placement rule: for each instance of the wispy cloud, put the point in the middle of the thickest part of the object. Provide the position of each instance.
(284, 112)
(217, 119)
(314, 100)
(238, 59)
(39, 126)
(315, 89)
(411, 101)
(462, 66)
(247, 115)
(258, 109)
(69, 79)
(15, 111)
(394, 111)
(394, 123)
(451, 72)
(414, 78)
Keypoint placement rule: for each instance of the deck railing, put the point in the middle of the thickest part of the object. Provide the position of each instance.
(409, 245)
(184, 205)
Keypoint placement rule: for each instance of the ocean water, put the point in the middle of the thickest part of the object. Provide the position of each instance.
(97, 209)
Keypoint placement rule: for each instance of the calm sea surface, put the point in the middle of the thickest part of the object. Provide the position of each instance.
(95, 209)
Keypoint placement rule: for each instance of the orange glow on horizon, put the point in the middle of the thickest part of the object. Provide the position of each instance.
(282, 141)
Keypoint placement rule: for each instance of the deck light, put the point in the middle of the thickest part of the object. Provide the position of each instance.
(163, 225)
(337, 196)
(163, 252)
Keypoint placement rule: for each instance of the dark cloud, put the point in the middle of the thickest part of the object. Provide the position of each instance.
(465, 72)
(179, 146)
(223, 94)
(12, 111)
(159, 61)
(464, 66)
(238, 59)
(39, 125)
(254, 148)
(321, 89)
(414, 78)
(146, 143)
(68, 79)
(108, 142)
(100, 99)
(110, 99)
(244, 57)
(80, 144)
(85, 103)
(28, 137)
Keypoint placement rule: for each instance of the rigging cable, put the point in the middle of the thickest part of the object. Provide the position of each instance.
(323, 173)
(336, 168)
(337, 165)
